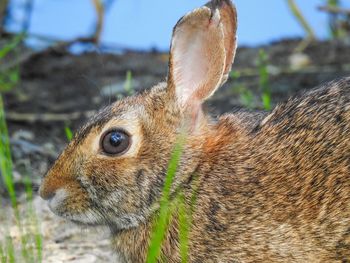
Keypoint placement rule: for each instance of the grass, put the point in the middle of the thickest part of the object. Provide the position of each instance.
(184, 228)
(29, 246)
(68, 132)
(166, 208)
(35, 235)
(128, 85)
(128, 88)
(171, 207)
(185, 221)
(5, 157)
(10, 77)
(246, 96)
(264, 79)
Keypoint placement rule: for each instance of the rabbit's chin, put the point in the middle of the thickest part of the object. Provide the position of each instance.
(91, 218)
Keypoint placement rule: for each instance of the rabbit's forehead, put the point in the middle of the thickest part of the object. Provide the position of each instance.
(119, 111)
(128, 121)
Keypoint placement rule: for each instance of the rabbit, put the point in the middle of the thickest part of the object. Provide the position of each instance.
(270, 187)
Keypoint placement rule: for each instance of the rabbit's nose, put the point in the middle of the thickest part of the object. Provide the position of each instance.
(49, 196)
(46, 195)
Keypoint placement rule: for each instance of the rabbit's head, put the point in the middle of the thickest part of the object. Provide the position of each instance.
(113, 171)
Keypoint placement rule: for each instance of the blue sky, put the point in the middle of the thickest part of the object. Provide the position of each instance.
(148, 23)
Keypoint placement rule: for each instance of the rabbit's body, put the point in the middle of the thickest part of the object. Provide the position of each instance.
(281, 191)
(275, 191)
(269, 187)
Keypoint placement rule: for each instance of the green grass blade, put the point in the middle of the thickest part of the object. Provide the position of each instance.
(266, 100)
(69, 133)
(158, 234)
(247, 98)
(263, 71)
(10, 250)
(264, 81)
(165, 210)
(36, 237)
(3, 258)
(9, 79)
(185, 219)
(128, 87)
(11, 46)
(184, 228)
(5, 156)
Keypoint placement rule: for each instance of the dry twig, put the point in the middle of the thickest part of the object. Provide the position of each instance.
(47, 117)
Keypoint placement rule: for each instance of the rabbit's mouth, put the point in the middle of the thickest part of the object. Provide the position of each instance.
(61, 205)
(58, 204)
(56, 200)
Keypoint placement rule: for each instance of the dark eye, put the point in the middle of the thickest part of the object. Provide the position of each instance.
(115, 142)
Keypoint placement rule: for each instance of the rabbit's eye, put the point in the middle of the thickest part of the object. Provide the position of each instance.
(115, 142)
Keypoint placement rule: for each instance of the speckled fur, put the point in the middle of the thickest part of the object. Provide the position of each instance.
(272, 187)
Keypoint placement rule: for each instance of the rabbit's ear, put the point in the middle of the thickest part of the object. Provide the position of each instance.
(202, 50)
(228, 16)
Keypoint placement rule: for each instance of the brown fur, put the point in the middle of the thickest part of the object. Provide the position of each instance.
(272, 187)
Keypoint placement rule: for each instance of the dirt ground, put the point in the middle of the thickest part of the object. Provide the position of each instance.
(58, 89)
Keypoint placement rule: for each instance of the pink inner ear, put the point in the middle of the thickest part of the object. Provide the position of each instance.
(198, 56)
(191, 65)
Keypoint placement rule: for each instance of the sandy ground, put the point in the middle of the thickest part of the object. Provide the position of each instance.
(63, 241)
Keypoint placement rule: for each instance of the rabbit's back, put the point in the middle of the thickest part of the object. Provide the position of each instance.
(314, 108)
(307, 141)
(284, 187)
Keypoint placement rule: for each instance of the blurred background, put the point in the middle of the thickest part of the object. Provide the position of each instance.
(62, 60)
(141, 24)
